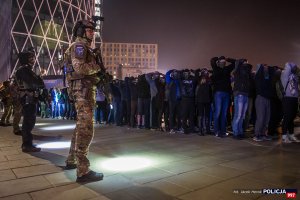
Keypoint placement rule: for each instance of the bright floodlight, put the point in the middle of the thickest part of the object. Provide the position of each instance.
(55, 145)
(126, 163)
(62, 127)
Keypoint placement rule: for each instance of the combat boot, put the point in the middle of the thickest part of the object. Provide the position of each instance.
(31, 148)
(91, 176)
(19, 132)
(70, 166)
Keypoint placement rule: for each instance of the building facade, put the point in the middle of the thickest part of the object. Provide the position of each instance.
(47, 26)
(129, 59)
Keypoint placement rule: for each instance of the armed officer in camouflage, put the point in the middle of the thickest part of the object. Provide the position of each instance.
(5, 96)
(28, 84)
(82, 75)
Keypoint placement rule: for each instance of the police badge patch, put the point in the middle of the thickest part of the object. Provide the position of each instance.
(79, 51)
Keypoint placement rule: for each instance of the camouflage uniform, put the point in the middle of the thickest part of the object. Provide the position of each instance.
(17, 107)
(82, 88)
(7, 101)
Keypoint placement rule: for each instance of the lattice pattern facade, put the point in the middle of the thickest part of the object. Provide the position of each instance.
(47, 26)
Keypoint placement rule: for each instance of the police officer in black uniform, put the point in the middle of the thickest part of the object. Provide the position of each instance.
(29, 86)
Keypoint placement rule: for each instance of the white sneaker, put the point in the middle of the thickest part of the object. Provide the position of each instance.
(286, 139)
(293, 138)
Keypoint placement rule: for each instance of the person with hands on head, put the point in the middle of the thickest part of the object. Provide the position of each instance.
(221, 80)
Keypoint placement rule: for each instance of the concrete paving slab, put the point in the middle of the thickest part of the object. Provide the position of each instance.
(3, 158)
(148, 193)
(193, 180)
(168, 188)
(110, 184)
(61, 178)
(18, 197)
(221, 172)
(147, 175)
(20, 156)
(270, 177)
(179, 167)
(6, 175)
(38, 161)
(122, 194)
(73, 191)
(36, 170)
(10, 152)
(19, 186)
(13, 164)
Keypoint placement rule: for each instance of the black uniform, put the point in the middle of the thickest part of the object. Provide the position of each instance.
(29, 84)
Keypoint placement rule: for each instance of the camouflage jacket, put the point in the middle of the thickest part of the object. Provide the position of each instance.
(81, 59)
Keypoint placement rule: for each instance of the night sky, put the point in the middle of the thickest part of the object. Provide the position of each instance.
(190, 32)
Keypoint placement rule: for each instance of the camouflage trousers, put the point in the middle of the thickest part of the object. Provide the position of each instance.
(17, 108)
(84, 131)
(7, 113)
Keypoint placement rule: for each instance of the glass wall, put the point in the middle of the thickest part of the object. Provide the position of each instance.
(47, 26)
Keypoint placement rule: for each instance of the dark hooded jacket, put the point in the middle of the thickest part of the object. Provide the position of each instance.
(242, 78)
(263, 81)
(221, 78)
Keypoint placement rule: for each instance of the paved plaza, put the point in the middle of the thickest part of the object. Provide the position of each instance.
(146, 165)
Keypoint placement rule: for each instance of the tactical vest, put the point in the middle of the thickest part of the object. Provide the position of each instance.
(69, 71)
(26, 79)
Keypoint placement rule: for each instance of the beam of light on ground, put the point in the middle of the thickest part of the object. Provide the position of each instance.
(55, 145)
(40, 124)
(61, 127)
(126, 163)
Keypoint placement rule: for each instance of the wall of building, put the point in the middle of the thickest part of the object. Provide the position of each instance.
(134, 58)
(47, 26)
(5, 42)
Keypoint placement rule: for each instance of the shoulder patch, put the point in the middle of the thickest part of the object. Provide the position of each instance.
(79, 51)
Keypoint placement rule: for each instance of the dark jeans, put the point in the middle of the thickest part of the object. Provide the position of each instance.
(262, 106)
(128, 113)
(164, 110)
(174, 114)
(123, 110)
(188, 113)
(133, 112)
(203, 110)
(154, 113)
(29, 118)
(275, 117)
(289, 105)
(117, 111)
(101, 108)
(144, 109)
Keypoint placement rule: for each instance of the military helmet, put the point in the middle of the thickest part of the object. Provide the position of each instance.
(81, 25)
(24, 56)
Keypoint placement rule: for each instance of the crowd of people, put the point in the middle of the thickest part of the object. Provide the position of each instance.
(228, 98)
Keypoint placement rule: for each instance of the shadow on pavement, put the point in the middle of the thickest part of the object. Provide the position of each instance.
(47, 138)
